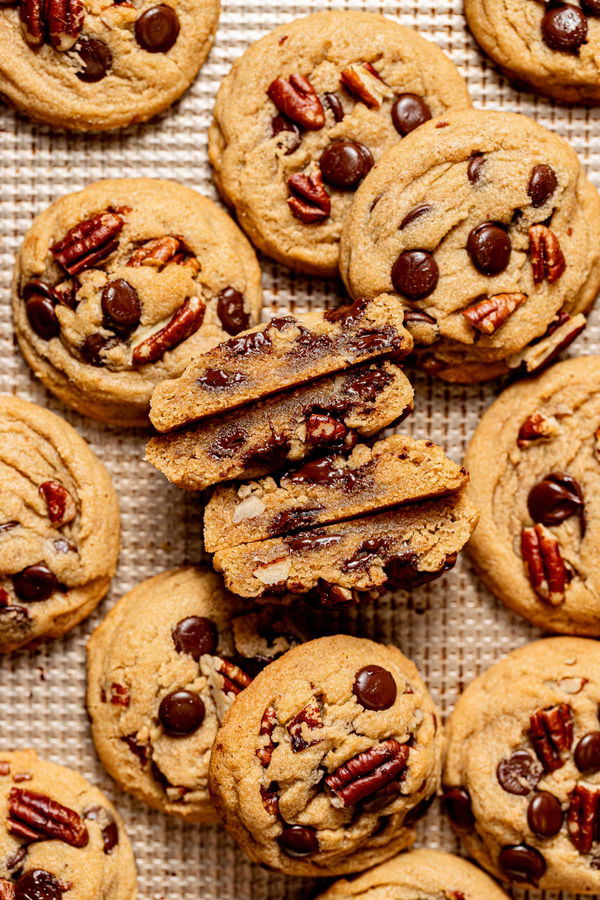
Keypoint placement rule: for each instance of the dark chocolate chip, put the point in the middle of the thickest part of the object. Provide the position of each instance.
(344, 164)
(564, 28)
(415, 274)
(335, 105)
(37, 884)
(369, 386)
(474, 167)
(587, 753)
(121, 305)
(366, 554)
(231, 311)
(520, 862)
(518, 774)
(35, 583)
(544, 814)
(281, 124)
(542, 184)
(554, 499)
(92, 347)
(272, 452)
(109, 828)
(489, 247)
(181, 712)
(298, 840)
(375, 688)
(96, 59)
(195, 635)
(41, 315)
(157, 29)
(457, 803)
(415, 213)
(348, 314)
(292, 520)
(229, 441)
(39, 287)
(255, 342)
(408, 112)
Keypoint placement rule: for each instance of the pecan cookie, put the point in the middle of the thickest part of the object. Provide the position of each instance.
(163, 668)
(553, 48)
(60, 836)
(419, 875)
(487, 229)
(59, 526)
(92, 65)
(535, 462)
(305, 113)
(325, 761)
(119, 286)
(522, 772)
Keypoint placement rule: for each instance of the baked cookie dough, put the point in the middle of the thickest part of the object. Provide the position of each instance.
(59, 526)
(552, 48)
(305, 113)
(119, 286)
(522, 770)
(419, 875)
(324, 762)
(163, 668)
(60, 836)
(535, 467)
(487, 229)
(92, 66)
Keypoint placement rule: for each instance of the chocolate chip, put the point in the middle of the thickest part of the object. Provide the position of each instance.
(181, 713)
(281, 123)
(292, 520)
(591, 7)
(92, 347)
(335, 105)
(218, 378)
(367, 387)
(587, 753)
(109, 828)
(408, 112)
(489, 247)
(298, 840)
(96, 59)
(37, 884)
(121, 305)
(344, 164)
(42, 316)
(306, 541)
(518, 774)
(35, 583)
(520, 862)
(375, 688)
(272, 452)
(542, 184)
(231, 311)
(195, 635)
(457, 803)
(413, 214)
(544, 814)
(474, 167)
(564, 28)
(415, 274)
(348, 314)
(256, 342)
(554, 499)
(157, 29)
(229, 441)
(42, 288)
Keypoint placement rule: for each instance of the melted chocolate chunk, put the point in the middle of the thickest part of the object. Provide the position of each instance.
(292, 520)
(554, 499)
(157, 29)
(311, 540)
(367, 387)
(110, 830)
(181, 713)
(348, 314)
(564, 28)
(218, 378)
(474, 167)
(542, 184)
(248, 344)
(298, 840)
(489, 247)
(96, 59)
(37, 884)
(92, 348)
(415, 274)
(520, 862)
(228, 442)
(195, 635)
(457, 803)
(544, 814)
(375, 688)
(274, 451)
(518, 774)
(344, 164)
(368, 551)
(231, 311)
(408, 112)
(322, 471)
(367, 341)
(281, 123)
(415, 213)
(35, 583)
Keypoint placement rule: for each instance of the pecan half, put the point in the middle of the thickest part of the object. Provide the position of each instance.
(59, 21)
(368, 772)
(119, 695)
(551, 733)
(270, 799)
(297, 99)
(491, 313)
(234, 680)
(88, 243)
(545, 566)
(305, 721)
(267, 727)
(60, 504)
(160, 251)
(547, 259)
(185, 322)
(583, 817)
(322, 429)
(35, 817)
(365, 83)
(311, 202)
(537, 429)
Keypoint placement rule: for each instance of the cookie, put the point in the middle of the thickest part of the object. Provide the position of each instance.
(487, 229)
(287, 352)
(163, 667)
(59, 526)
(523, 763)
(305, 113)
(534, 461)
(551, 49)
(94, 67)
(325, 761)
(416, 874)
(327, 414)
(119, 286)
(402, 548)
(393, 471)
(60, 835)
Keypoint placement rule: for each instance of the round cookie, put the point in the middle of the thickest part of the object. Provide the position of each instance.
(419, 875)
(305, 112)
(488, 231)
(534, 461)
(92, 65)
(59, 526)
(60, 835)
(119, 286)
(553, 48)
(163, 667)
(324, 763)
(522, 771)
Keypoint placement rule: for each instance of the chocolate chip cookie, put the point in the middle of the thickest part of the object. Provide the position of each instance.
(304, 114)
(163, 668)
(95, 66)
(60, 836)
(59, 526)
(487, 229)
(325, 761)
(534, 463)
(551, 48)
(330, 413)
(522, 771)
(119, 286)
(416, 875)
